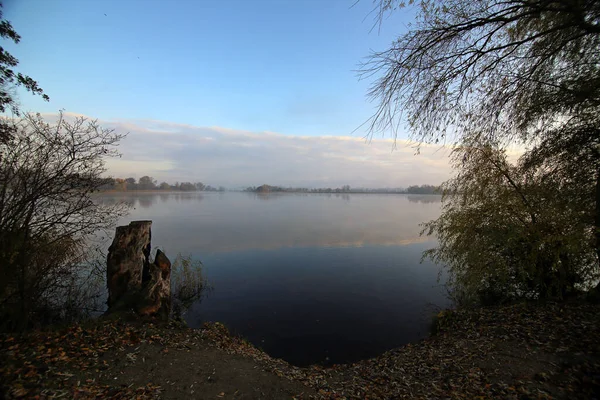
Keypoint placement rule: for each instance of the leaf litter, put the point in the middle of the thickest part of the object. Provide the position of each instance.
(523, 351)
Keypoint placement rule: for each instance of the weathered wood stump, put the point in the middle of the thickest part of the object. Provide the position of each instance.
(156, 291)
(134, 283)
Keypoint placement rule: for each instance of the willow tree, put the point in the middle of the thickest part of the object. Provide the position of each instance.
(512, 230)
(492, 72)
(501, 68)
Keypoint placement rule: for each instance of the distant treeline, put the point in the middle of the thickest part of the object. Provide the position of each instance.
(422, 189)
(149, 183)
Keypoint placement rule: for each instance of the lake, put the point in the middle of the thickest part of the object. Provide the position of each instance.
(309, 278)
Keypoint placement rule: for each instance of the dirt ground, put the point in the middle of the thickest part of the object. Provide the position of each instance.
(196, 371)
(549, 351)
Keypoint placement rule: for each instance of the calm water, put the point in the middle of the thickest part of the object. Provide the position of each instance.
(306, 277)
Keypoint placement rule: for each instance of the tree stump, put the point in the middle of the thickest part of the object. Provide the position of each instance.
(134, 283)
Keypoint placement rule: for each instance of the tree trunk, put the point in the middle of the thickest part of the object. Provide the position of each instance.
(133, 282)
(128, 259)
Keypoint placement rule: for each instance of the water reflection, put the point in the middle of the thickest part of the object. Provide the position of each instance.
(164, 197)
(322, 305)
(218, 222)
(310, 278)
(424, 198)
(147, 200)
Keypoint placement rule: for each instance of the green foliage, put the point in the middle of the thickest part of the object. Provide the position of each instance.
(490, 73)
(509, 232)
(442, 321)
(187, 186)
(149, 183)
(188, 285)
(423, 189)
(164, 186)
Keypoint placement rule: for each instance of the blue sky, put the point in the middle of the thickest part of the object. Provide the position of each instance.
(251, 66)
(276, 65)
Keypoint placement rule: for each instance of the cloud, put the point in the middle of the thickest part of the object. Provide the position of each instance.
(235, 158)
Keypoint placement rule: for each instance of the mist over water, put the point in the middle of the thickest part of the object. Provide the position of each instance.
(310, 278)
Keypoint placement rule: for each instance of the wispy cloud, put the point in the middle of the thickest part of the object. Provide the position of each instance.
(233, 158)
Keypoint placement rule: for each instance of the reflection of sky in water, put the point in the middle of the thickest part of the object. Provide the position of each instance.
(308, 278)
(213, 222)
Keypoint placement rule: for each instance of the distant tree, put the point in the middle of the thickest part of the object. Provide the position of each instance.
(10, 80)
(187, 186)
(130, 184)
(222, 188)
(165, 186)
(200, 186)
(48, 174)
(146, 183)
(264, 189)
(120, 185)
(423, 189)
